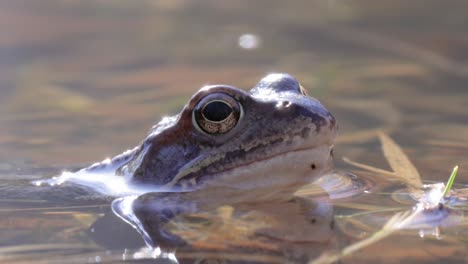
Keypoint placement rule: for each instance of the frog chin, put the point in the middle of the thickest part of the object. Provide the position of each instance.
(274, 176)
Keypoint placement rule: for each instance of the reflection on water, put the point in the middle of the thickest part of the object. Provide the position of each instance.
(82, 81)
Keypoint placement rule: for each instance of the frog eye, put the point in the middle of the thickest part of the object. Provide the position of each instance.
(217, 113)
(303, 90)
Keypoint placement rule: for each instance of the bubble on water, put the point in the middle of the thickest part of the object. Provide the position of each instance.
(249, 41)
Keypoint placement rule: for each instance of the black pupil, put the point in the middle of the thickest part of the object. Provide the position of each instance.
(216, 111)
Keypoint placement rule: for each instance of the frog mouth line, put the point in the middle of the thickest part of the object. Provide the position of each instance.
(272, 157)
(193, 180)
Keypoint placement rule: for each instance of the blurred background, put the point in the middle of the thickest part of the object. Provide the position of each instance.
(83, 80)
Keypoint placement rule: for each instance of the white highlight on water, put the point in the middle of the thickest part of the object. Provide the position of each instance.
(103, 182)
(249, 41)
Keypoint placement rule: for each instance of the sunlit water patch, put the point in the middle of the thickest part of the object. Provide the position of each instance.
(458, 197)
(337, 185)
(106, 183)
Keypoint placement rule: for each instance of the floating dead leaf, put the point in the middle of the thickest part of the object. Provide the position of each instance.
(399, 162)
(426, 212)
(401, 165)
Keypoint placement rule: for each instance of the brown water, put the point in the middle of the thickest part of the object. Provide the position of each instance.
(80, 81)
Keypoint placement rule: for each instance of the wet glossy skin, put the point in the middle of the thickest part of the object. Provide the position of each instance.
(272, 123)
(249, 150)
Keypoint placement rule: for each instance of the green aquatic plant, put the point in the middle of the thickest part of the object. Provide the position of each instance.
(450, 181)
(424, 214)
(404, 171)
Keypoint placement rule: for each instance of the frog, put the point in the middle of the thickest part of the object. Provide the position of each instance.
(226, 146)
(224, 135)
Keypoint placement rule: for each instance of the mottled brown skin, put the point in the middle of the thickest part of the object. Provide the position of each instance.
(274, 111)
(277, 118)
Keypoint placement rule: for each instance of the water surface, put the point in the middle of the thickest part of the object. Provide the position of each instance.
(83, 81)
